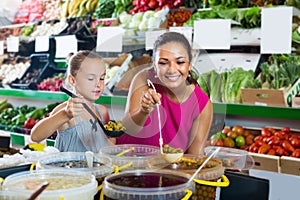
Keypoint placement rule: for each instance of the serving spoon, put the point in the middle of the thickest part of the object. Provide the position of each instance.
(169, 157)
(114, 133)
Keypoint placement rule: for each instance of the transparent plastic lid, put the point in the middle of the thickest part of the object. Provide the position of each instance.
(232, 158)
(61, 182)
(147, 184)
(189, 164)
(137, 154)
(102, 165)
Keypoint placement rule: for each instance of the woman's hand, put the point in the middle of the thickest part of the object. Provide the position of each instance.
(149, 100)
(74, 107)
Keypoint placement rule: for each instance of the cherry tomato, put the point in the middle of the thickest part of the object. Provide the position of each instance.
(295, 142)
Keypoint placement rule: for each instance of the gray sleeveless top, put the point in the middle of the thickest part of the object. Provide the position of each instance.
(82, 137)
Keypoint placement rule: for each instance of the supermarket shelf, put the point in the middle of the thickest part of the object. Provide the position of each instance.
(219, 108)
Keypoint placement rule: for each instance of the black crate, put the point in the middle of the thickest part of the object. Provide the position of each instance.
(42, 67)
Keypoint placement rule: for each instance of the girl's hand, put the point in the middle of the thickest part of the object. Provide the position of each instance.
(74, 107)
(149, 100)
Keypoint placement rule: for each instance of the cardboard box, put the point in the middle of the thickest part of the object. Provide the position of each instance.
(270, 97)
(296, 102)
(266, 162)
(290, 165)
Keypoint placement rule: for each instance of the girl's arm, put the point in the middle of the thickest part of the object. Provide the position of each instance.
(60, 118)
(47, 126)
(200, 130)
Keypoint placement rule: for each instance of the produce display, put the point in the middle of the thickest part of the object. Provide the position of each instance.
(21, 118)
(52, 84)
(226, 86)
(267, 140)
(13, 70)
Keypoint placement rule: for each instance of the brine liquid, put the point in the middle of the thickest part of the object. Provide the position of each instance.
(148, 180)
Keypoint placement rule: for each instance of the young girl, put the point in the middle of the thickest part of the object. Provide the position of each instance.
(186, 111)
(86, 73)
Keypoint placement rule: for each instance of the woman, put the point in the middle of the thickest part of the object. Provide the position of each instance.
(86, 73)
(186, 111)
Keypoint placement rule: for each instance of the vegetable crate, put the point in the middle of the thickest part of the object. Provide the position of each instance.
(269, 97)
(39, 69)
(275, 163)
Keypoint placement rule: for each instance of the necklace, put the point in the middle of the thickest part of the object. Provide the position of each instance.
(185, 95)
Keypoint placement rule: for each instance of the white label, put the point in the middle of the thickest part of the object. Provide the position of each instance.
(151, 37)
(41, 43)
(1, 47)
(212, 34)
(276, 30)
(12, 44)
(65, 45)
(109, 39)
(186, 31)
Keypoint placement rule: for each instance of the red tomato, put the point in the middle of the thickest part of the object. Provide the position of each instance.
(286, 129)
(265, 132)
(238, 129)
(272, 152)
(264, 148)
(279, 151)
(272, 130)
(226, 130)
(253, 148)
(295, 142)
(287, 146)
(296, 153)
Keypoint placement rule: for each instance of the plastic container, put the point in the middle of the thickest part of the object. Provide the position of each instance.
(76, 161)
(136, 156)
(206, 179)
(62, 184)
(232, 158)
(147, 184)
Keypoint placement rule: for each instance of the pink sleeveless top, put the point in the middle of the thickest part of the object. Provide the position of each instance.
(176, 118)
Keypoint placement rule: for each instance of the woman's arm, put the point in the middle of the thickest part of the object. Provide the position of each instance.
(141, 102)
(200, 130)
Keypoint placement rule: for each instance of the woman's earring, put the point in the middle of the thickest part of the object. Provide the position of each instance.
(155, 76)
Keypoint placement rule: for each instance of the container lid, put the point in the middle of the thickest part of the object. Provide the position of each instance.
(149, 184)
(189, 164)
(61, 182)
(102, 165)
(232, 158)
(123, 154)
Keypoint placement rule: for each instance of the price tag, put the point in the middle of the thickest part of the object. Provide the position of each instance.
(151, 37)
(276, 30)
(65, 45)
(110, 39)
(212, 34)
(1, 47)
(12, 44)
(41, 43)
(186, 31)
